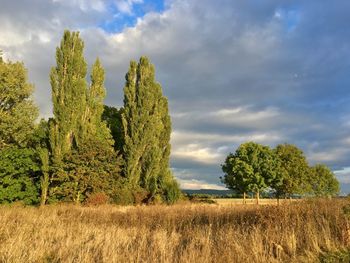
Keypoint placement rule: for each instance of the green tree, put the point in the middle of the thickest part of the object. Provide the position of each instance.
(147, 127)
(296, 175)
(93, 127)
(323, 181)
(17, 110)
(18, 161)
(69, 95)
(19, 175)
(91, 168)
(253, 167)
(79, 139)
(236, 175)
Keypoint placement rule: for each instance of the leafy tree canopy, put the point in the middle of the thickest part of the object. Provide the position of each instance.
(323, 181)
(19, 175)
(253, 167)
(113, 117)
(296, 175)
(17, 110)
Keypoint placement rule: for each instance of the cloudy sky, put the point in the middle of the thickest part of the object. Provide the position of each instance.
(263, 70)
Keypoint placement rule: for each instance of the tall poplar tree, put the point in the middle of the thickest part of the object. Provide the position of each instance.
(82, 145)
(92, 126)
(69, 95)
(147, 127)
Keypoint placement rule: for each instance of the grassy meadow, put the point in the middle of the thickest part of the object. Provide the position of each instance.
(252, 201)
(304, 231)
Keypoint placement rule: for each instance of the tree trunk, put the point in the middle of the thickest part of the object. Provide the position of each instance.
(44, 180)
(244, 198)
(44, 190)
(77, 201)
(257, 197)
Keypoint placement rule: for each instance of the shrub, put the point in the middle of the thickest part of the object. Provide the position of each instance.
(123, 196)
(96, 199)
(140, 196)
(172, 192)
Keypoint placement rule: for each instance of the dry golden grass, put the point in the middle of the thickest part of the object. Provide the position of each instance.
(296, 232)
(252, 201)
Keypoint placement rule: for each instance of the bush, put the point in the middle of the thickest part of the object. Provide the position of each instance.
(172, 192)
(97, 199)
(123, 196)
(140, 196)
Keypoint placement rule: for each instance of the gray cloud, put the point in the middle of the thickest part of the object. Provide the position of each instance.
(233, 71)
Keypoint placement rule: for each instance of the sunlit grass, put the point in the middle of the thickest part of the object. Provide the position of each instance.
(293, 232)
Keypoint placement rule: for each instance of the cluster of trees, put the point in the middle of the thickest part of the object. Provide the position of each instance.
(86, 149)
(284, 170)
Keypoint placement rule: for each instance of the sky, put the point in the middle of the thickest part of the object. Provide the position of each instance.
(267, 71)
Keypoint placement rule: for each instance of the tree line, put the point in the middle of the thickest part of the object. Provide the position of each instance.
(284, 170)
(87, 151)
(90, 152)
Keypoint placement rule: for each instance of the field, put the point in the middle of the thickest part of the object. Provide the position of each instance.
(304, 231)
(252, 201)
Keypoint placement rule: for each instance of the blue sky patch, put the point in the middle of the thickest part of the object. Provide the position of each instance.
(289, 17)
(118, 20)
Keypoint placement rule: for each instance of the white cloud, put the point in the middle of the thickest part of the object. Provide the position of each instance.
(9, 37)
(196, 152)
(198, 184)
(211, 148)
(179, 137)
(126, 6)
(343, 175)
(328, 156)
(244, 115)
(85, 5)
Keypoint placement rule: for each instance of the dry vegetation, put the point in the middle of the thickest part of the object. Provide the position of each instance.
(252, 201)
(296, 232)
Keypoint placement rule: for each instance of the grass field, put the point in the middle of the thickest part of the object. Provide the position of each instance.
(305, 231)
(252, 201)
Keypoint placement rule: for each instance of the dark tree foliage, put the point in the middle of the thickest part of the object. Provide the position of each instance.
(40, 142)
(19, 175)
(89, 169)
(113, 117)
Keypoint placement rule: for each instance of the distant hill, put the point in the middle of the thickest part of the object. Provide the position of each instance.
(208, 192)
